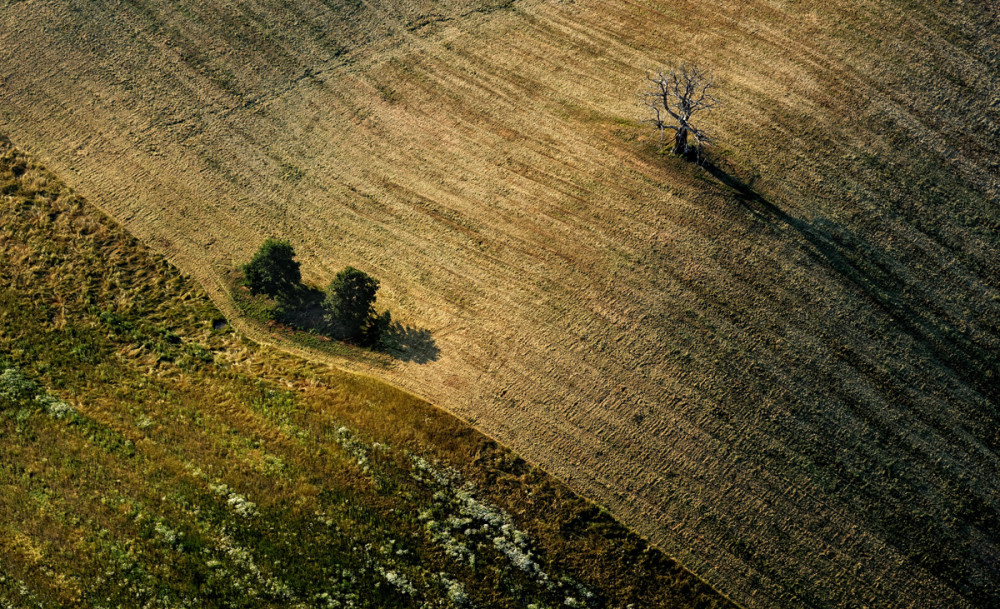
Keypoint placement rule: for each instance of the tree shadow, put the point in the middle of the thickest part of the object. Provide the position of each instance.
(410, 344)
(302, 308)
(874, 274)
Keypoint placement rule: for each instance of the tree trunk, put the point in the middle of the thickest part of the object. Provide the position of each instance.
(681, 141)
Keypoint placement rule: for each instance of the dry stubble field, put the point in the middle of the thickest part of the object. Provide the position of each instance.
(783, 372)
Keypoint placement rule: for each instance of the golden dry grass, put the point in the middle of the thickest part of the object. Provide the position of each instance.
(792, 388)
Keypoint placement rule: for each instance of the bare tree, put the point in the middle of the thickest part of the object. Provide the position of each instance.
(674, 96)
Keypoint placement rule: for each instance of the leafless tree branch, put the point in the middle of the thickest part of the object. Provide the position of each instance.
(679, 93)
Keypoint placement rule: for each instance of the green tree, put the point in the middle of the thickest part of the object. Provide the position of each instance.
(375, 334)
(273, 270)
(350, 301)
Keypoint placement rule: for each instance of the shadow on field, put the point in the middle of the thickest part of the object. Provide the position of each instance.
(871, 271)
(411, 344)
(303, 309)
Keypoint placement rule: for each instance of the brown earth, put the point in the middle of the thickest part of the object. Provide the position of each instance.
(783, 372)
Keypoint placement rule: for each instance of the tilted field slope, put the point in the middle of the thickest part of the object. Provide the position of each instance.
(152, 457)
(784, 374)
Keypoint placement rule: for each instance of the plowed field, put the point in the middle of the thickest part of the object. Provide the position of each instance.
(784, 371)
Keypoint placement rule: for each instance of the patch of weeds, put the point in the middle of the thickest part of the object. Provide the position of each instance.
(291, 172)
(18, 390)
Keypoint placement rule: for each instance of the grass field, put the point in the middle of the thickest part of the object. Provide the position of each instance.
(784, 373)
(150, 456)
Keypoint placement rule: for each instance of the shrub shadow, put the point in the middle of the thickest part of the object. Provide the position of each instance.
(302, 308)
(872, 272)
(410, 344)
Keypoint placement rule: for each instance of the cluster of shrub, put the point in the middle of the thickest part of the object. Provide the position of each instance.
(348, 304)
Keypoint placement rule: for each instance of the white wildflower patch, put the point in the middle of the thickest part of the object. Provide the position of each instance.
(398, 581)
(243, 559)
(363, 454)
(167, 535)
(582, 590)
(451, 544)
(194, 470)
(56, 408)
(455, 590)
(474, 519)
(358, 450)
(485, 513)
(22, 589)
(458, 524)
(15, 387)
(340, 592)
(521, 559)
(422, 471)
(327, 600)
(240, 504)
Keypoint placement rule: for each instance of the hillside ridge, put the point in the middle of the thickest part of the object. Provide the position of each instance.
(151, 456)
(785, 378)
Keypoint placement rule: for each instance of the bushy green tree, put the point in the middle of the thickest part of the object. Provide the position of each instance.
(273, 270)
(376, 333)
(350, 302)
